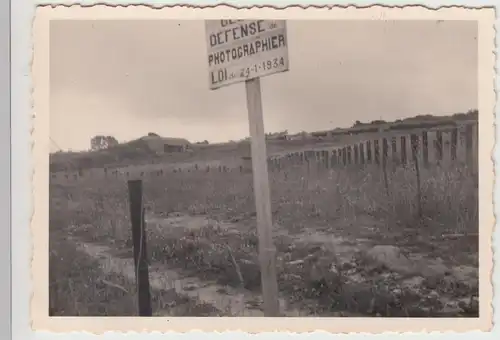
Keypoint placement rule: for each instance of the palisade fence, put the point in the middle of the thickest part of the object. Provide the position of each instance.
(443, 146)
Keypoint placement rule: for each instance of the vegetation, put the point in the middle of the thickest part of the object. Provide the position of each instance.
(102, 142)
(79, 285)
(347, 208)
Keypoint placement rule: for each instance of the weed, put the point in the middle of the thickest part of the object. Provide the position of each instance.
(352, 202)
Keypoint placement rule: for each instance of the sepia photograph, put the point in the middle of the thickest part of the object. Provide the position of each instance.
(265, 168)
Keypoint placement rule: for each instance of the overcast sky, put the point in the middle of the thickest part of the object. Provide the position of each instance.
(128, 78)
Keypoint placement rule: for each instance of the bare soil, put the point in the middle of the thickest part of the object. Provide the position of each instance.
(321, 272)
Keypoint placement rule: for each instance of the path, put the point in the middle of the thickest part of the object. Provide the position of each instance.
(235, 302)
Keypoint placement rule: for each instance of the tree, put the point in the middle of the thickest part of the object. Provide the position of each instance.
(102, 142)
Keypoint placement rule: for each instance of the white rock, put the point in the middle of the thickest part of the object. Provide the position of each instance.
(391, 257)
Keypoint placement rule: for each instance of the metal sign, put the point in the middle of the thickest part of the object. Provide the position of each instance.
(240, 50)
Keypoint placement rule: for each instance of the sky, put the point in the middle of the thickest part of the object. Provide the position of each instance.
(126, 78)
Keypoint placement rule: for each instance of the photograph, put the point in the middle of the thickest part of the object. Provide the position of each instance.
(274, 167)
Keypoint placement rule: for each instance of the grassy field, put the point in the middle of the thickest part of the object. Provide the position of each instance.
(347, 243)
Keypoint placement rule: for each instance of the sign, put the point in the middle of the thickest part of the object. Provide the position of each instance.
(245, 50)
(240, 50)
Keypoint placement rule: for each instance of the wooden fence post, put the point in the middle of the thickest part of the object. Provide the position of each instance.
(385, 153)
(139, 241)
(415, 149)
(356, 154)
(361, 148)
(368, 152)
(454, 144)
(376, 151)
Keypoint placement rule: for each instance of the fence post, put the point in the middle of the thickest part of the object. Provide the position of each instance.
(454, 144)
(376, 151)
(349, 155)
(385, 152)
(475, 148)
(469, 148)
(333, 158)
(362, 153)
(425, 149)
(368, 152)
(446, 145)
(414, 147)
(439, 146)
(139, 241)
(356, 154)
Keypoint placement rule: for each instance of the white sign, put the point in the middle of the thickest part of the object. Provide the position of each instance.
(239, 50)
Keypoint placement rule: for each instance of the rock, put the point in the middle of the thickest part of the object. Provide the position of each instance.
(329, 274)
(216, 258)
(434, 270)
(451, 307)
(470, 306)
(295, 263)
(433, 294)
(390, 257)
(466, 275)
(190, 287)
(347, 264)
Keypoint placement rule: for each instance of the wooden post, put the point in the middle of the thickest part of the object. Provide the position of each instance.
(454, 144)
(376, 151)
(475, 148)
(446, 138)
(461, 147)
(415, 155)
(431, 147)
(385, 153)
(368, 152)
(139, 241)
(438, 146)
(356, 154)
(362, 153)
(424, 146)
(469, 146)
(409, 150)
(267, 251)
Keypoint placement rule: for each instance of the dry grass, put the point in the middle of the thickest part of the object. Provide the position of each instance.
(77, 284)
(79, 288)
(341, 202)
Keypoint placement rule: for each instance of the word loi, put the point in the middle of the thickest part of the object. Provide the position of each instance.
(244, 49)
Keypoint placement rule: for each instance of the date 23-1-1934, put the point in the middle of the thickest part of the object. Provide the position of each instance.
(223, 75)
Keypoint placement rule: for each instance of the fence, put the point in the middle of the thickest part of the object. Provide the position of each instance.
(429, 147)
(443, 146)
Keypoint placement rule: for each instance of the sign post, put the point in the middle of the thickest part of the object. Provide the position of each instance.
(267, 253)
(244, 51)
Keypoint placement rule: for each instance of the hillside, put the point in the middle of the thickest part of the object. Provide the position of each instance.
(138, 152)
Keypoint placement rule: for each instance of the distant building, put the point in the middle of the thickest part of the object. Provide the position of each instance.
(162, 145)
(300, 136)
(278, 136)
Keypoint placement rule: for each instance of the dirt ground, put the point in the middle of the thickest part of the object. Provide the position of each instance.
(344, 247)
(320, 273)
